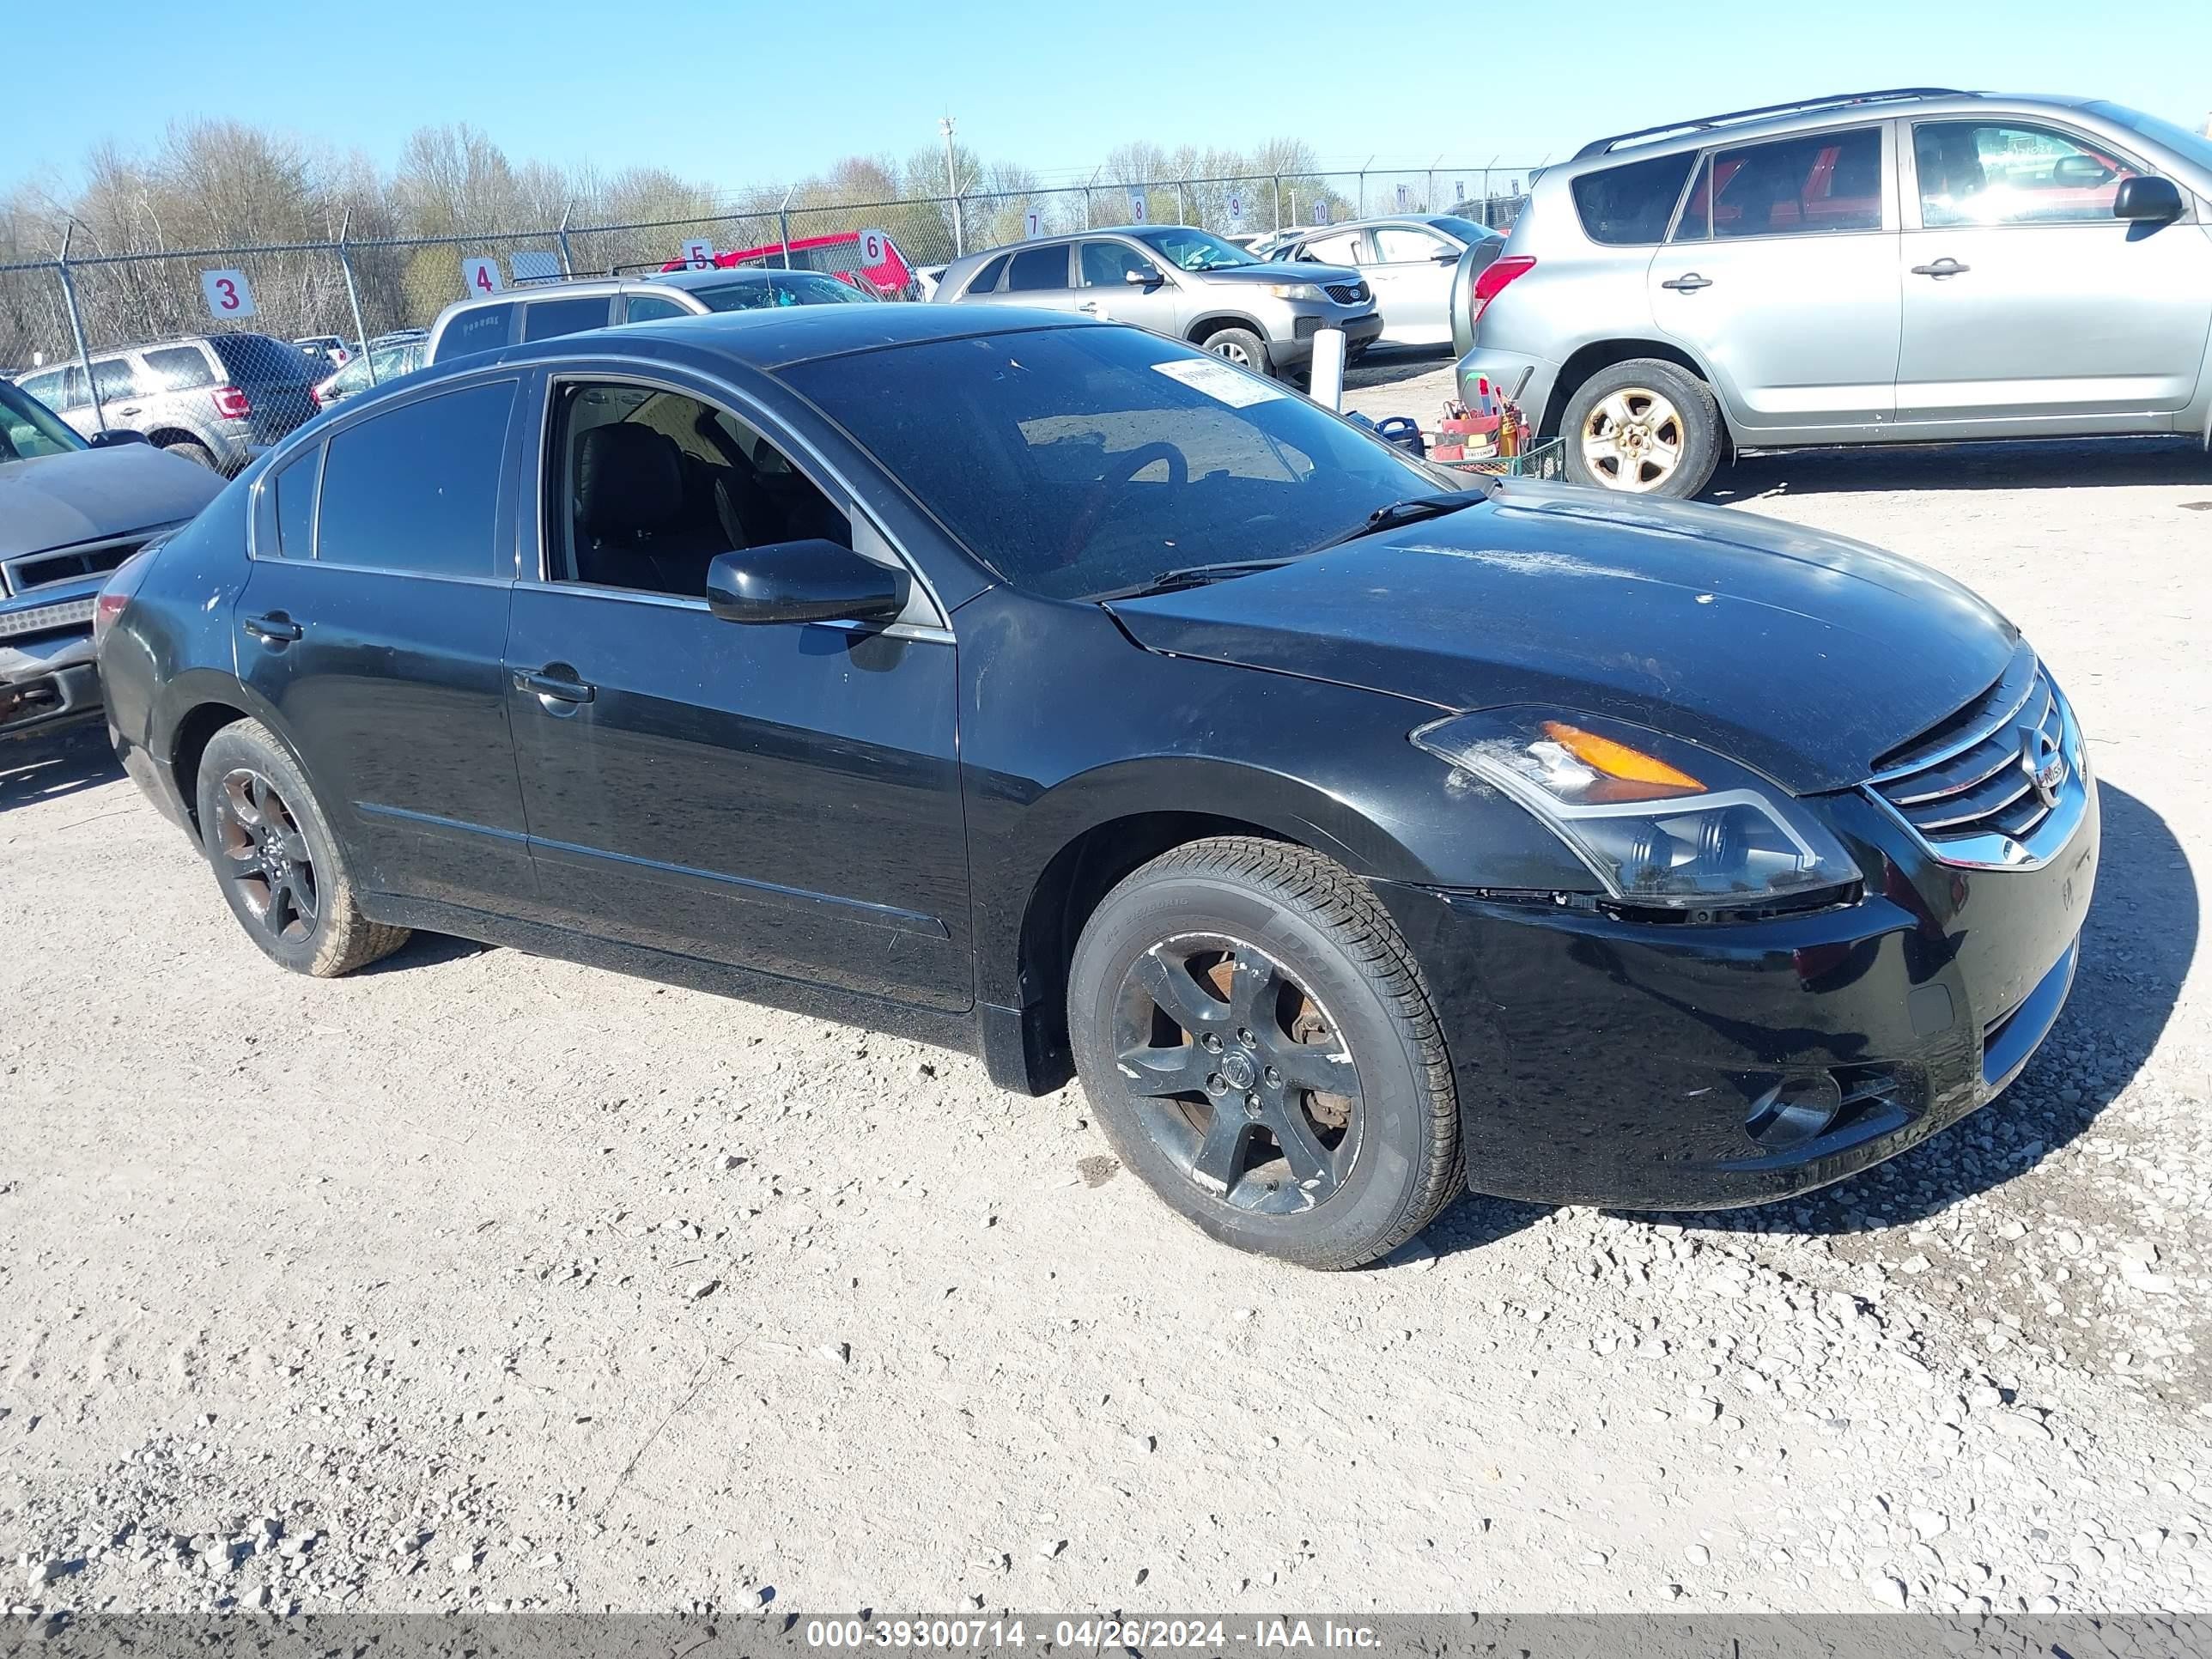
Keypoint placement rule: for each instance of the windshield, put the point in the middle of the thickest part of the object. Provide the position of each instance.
(1083, 460)
(2187, 145)
(1195, 249)
(29, 429)
(783, 287)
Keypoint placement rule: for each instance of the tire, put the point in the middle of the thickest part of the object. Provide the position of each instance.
(1648, 401)
(1266, 954)
(193, 450)
(1239, 346)
(276, 860)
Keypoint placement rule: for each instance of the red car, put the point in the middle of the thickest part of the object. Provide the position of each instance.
(843, 254)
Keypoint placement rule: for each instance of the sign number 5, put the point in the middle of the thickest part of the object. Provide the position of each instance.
(228, 294)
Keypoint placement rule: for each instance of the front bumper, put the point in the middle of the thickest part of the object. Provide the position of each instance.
(47, 683)
(1613, 1062)
(1297, 352)
(1526, 380)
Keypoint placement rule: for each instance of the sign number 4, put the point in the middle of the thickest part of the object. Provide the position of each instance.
(481, 276)
(228, 294)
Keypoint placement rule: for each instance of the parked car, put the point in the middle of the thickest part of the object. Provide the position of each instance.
(218, 399)
(1184, 283)
(843, 254)
(1051, 690)
(327, 349)
(70, 512)
(1880, 268)
(389, 363)
(544, 311)
(1408, 259)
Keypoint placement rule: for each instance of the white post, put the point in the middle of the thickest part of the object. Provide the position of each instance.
(1328, 379)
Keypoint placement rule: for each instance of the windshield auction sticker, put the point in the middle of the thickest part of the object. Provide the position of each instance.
(1218, 381)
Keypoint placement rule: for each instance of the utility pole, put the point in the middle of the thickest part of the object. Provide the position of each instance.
(952, 188)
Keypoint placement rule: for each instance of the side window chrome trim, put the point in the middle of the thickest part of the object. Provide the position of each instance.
(661, 377)
(915, 631)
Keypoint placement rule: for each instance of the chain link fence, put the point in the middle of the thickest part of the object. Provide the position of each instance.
(215, 351)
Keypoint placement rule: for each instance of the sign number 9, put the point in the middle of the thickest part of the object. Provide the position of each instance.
(228, 294)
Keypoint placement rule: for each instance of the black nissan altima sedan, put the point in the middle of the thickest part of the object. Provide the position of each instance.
(1045, 689)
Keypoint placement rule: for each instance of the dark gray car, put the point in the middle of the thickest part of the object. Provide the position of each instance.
(1184, 283)
(70, 513)
(1876, 268)
(218, 399)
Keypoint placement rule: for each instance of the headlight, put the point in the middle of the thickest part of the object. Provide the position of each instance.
(1658, 821)
(1294, 290)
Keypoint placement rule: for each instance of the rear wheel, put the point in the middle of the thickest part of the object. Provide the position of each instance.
(1241, 346)
(1256, 1040)
(191, 450)
(276, 860)
(1643, 426)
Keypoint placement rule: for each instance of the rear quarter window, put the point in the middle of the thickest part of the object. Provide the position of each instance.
(253, 360)
(1629, 206)
(987, 280)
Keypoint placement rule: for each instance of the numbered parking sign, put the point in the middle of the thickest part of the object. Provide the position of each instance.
(1033, 223)
(480, 277)
(1320, 213)
(875, 247)
(1236, 210)
(699, 255)
(1136, 207)
(228, 294)
(1405, 197)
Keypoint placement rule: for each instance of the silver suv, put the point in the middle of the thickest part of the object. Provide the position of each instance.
(1883, 267)
(1185, 284)
(218, 399)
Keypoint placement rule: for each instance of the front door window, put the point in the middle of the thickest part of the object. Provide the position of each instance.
(1976, 172)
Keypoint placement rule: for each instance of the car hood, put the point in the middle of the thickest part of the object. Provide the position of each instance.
(1803, 655)
(88, 495)
(1283, 270)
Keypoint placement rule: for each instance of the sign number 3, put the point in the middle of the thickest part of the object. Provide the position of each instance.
(228, 294)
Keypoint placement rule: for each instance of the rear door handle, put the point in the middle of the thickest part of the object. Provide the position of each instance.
(559, 687)
(1689, 283)
(1945, 267)
(275, 628)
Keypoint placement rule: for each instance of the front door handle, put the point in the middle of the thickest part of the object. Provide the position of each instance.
(1091, 306)
(1944, 267)
(275, 628)
(548, 682)
(1689, 283)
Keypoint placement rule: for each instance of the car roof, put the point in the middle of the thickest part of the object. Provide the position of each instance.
(1767, 120)
(773, 339)
(720, 275)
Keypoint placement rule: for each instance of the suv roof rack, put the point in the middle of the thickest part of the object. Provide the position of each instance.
(1795, 105)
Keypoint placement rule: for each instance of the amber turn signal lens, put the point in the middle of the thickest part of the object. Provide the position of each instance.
(1618, 760)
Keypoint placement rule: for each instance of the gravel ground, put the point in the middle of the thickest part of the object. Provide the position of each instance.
(482, 1282)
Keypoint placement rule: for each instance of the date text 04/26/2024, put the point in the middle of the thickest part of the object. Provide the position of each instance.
(983, 1635)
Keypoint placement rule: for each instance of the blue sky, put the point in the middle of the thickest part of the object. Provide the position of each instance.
(743, 93)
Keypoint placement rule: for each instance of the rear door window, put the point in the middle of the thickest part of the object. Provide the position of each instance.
(482, 328)
(417, 487)
(548, 320)
(1826, 181)
(1629, 206)
(1038, 270)
(179, 368)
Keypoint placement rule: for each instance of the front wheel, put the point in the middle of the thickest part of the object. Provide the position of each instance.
(1241, 346)
(1645, 427)
(278, 865)
(1257, 1041)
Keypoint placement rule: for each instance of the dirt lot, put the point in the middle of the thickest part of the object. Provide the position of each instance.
(480, 1281)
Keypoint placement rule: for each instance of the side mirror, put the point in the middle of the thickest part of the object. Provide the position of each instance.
(1146, 278)
(812, 580)
(114, 435)
(1449, 257)
(2147, 198)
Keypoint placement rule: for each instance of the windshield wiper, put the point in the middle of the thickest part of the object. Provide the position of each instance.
(1192, 575)
(1412, 510)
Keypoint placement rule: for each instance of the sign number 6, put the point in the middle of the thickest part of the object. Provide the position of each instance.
(228, 294)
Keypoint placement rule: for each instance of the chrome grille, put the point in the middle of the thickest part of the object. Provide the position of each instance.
(1347, 294)
(1969, 786)
(46, 618)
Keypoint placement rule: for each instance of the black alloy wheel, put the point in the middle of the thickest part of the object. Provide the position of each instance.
(264, 857)
(1249, 1089)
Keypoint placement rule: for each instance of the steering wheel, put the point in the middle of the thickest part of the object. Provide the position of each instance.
(1122, 472)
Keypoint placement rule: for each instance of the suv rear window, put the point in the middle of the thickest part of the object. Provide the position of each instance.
(482, 329)
(1629, 206)
(253, 360)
